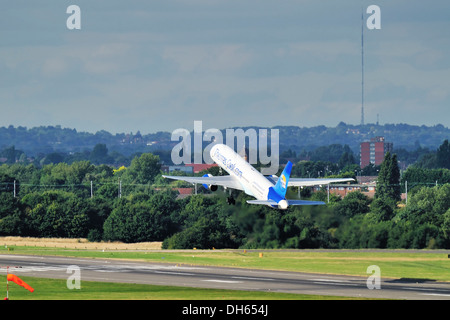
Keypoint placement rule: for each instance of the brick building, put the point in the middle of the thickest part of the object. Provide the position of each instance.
(373, 151)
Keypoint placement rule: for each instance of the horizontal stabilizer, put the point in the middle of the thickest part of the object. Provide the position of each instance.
(304, 203)
(290, 202)
(266, 202)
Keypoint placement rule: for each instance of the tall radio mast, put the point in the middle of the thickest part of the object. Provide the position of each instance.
(362, 68)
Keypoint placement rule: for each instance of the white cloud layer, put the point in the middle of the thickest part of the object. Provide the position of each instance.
(160, 65)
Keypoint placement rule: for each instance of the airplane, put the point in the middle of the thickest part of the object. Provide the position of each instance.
(268, 190)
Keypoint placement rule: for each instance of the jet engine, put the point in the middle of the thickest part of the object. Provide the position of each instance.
(210, 187)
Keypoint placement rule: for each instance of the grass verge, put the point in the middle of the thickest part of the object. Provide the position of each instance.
(56, 289)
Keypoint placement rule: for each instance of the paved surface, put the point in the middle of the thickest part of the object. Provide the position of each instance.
(220, 278)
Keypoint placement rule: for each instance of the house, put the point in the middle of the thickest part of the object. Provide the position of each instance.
(343, 189)
(366, 185)
(199, 167)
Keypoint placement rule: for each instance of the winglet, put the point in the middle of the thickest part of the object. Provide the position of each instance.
(283, 180)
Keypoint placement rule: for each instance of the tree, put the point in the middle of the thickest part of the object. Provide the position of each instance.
(446, 224)
(11, 218)
(204, 223)
(6, 183)
(143, 169)
(353, 204)
(203, 234)
(78, 172)
(443, 155)
(54, 157)
(99, 154)
(370, 170)
(56, 214)
(388, 185)
(141, 217)
(11, 154)
(346, 159)
(380, 210)
(428, 205)
(419, 176)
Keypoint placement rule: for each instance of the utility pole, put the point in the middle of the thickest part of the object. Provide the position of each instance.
(406, 191)
(328, 193)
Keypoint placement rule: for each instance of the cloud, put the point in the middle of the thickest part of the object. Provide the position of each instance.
(156, 65)
(207, 58)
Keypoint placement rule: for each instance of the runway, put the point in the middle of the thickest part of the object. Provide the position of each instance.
(221, 278)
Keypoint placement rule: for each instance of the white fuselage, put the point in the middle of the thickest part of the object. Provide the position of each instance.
(253, 182)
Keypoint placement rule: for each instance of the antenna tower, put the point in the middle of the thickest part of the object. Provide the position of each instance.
(362, 68)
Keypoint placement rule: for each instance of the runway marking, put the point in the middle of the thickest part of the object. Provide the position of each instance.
(334, 282)
(418, 289)
(329, 280)
(37, 269)
(435, 294)
(223, 281)
(175, 273)
(250, 278)
(339, 284)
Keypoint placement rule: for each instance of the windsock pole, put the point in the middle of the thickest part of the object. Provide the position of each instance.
(7, 284)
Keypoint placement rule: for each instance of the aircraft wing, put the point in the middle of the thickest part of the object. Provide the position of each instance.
(306, 182)
(224, 181)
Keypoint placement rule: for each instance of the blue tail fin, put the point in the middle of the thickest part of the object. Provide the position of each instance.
(283, 180)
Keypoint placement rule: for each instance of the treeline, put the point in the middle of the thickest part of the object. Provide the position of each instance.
(71, 145)
(136, 204)
(98, 155)
(55, 139)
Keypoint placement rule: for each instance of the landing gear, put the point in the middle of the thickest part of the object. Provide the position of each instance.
(231, 200)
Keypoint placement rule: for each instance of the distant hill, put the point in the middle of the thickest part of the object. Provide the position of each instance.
(47, 139)
(405, 136)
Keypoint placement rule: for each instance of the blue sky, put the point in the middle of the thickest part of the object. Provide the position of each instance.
(159, 65)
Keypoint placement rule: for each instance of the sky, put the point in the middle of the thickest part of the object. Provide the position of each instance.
(160, 65)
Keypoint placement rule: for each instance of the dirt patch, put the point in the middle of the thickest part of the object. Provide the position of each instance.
(79, 243)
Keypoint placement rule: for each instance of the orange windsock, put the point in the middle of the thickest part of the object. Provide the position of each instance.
(20, 282)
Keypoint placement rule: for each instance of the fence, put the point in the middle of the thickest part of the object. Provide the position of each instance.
(90, 187)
